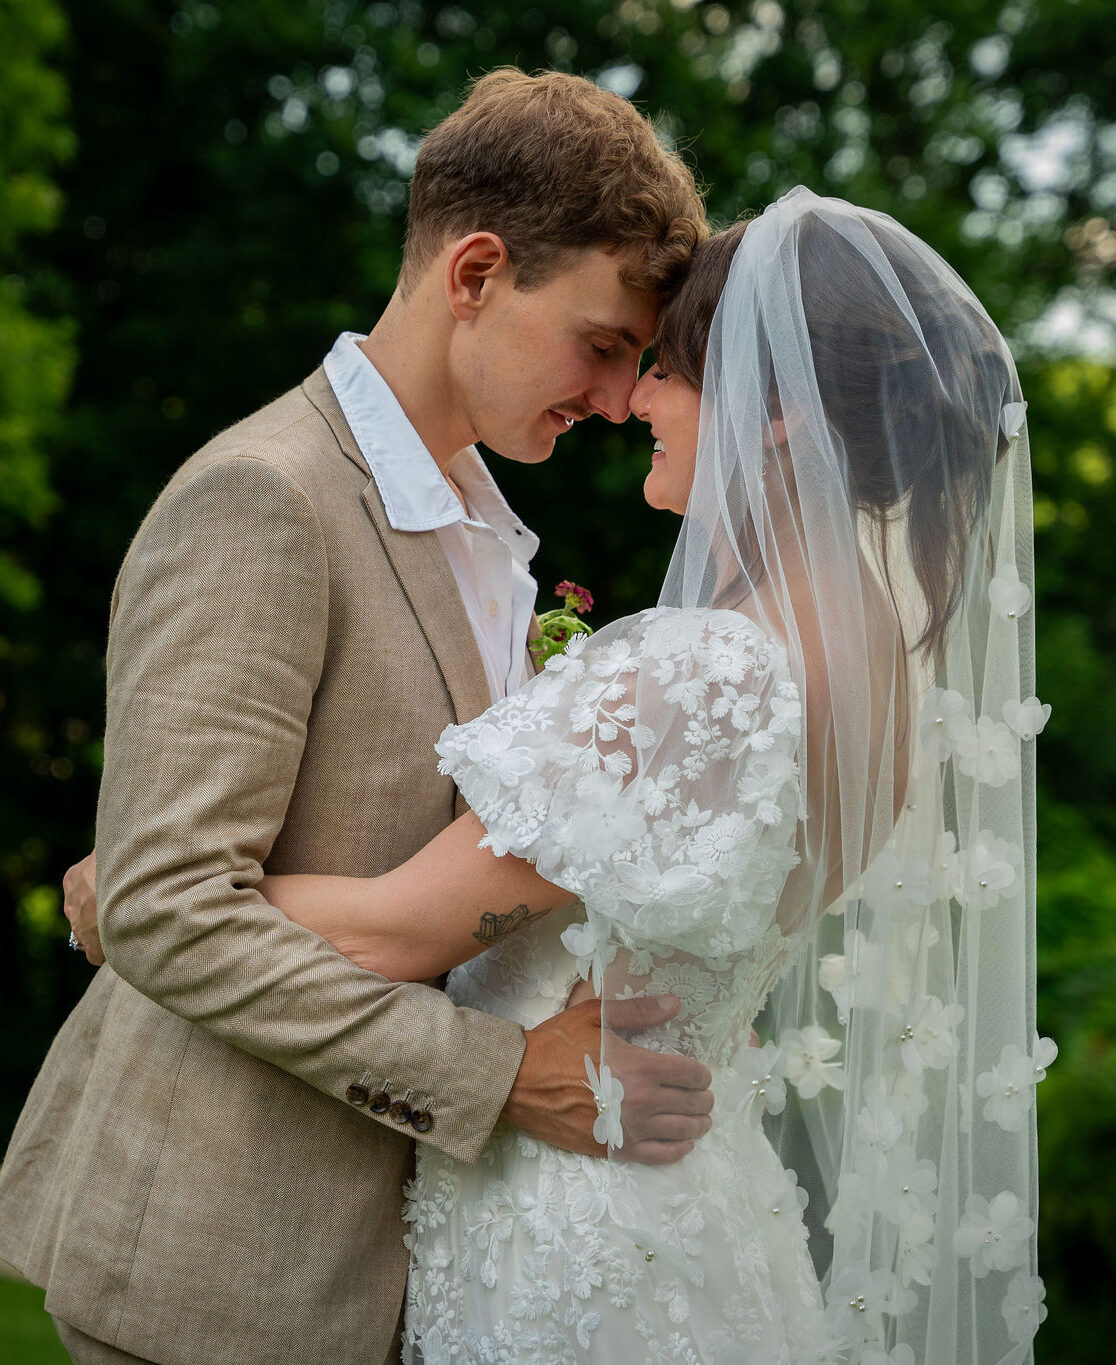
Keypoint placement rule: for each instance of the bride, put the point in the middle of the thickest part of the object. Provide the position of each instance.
(797, 794)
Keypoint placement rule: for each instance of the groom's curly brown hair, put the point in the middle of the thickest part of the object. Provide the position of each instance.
(553, 164)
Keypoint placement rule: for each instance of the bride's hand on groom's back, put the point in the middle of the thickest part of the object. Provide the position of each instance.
(79, 905)
(667, 1100)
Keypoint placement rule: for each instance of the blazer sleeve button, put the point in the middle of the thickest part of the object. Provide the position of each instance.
(400, 1112)
(380, 1102)
(356, 1094)
(422, 1120)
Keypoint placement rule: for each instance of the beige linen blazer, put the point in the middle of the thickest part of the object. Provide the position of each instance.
(199, 1176)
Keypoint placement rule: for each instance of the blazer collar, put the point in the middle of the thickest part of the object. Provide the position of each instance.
(318, 389)
(423, 572)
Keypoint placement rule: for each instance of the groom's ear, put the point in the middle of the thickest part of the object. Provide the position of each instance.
(474, 263)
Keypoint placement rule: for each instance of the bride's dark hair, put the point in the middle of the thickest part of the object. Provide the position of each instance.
(684, 323)
(913, 392)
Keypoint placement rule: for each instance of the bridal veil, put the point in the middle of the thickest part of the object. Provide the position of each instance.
(808, 777)
(863, 488)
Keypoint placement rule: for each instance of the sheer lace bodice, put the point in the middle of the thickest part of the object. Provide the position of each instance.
(679, 837)
(531, 975)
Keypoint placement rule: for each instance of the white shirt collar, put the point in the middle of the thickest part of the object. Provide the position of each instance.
(415, 495)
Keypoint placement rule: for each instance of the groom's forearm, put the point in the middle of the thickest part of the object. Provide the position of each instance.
(215, 652)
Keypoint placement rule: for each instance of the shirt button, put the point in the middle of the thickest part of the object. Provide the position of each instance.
(493, 607)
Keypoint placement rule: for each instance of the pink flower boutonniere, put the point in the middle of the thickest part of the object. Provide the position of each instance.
(559, 626)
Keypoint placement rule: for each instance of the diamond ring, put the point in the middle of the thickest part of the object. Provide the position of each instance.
(74, 944)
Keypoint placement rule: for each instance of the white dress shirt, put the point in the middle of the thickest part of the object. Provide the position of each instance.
(487, 546)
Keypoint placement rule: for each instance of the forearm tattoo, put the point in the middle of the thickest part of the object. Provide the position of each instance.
(495, 927)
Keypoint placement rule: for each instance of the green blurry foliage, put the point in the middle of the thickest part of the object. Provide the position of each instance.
(239, 199)
(36, 355)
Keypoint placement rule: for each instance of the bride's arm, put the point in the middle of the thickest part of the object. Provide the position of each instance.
(446, 904)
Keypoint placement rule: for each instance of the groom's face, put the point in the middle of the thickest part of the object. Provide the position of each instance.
(537, 360)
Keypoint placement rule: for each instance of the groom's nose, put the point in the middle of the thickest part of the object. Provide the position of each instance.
(611, 394)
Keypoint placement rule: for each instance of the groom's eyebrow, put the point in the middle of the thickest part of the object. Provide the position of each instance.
(622, 333)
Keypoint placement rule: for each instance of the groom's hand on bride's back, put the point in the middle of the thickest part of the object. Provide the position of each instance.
(667, 1100)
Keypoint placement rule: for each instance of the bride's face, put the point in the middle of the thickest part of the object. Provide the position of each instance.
(672, 407)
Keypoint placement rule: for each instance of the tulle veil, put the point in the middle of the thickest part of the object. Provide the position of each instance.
(862, 490)
(807, 778)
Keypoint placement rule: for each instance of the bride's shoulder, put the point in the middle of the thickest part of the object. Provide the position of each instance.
(709, 631)
(716, 648)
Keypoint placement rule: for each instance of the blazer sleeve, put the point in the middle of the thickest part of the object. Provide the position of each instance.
(216, 646)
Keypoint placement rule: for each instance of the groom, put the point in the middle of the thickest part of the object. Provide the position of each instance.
(210, 1164)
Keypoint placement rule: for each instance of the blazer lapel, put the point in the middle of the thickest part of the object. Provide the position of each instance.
(424, 574)
(426, 577)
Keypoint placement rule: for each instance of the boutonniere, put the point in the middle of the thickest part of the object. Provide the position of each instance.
(559, 626)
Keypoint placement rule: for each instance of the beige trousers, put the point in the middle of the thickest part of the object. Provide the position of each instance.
(88, 1351)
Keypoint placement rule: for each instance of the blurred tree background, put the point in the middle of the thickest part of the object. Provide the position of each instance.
(195, 197)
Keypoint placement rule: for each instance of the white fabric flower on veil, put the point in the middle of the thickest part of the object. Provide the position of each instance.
(905, 1185)
(1043, 1054)
(1011, 419)
(994, 1235)
(756, 1081)
(785, 1196)
(1023, 1307)
(943, 718)
(926, 1034)
(603, 823)
(879, 1124)
(1027, 718)
(809, 1067)
(1008, 1087)
(987, 752)
(918, 1256)
(1009, 597)
(858, 1299)
(590, 945)
(857, 978)
(608, 1092)
(988, 871)
(893, 884)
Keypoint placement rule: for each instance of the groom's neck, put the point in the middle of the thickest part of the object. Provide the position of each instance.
(409, 347)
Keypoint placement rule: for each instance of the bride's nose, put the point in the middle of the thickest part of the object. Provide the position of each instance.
(640, 401)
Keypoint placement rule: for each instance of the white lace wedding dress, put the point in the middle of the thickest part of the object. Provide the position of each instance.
(675, 823)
